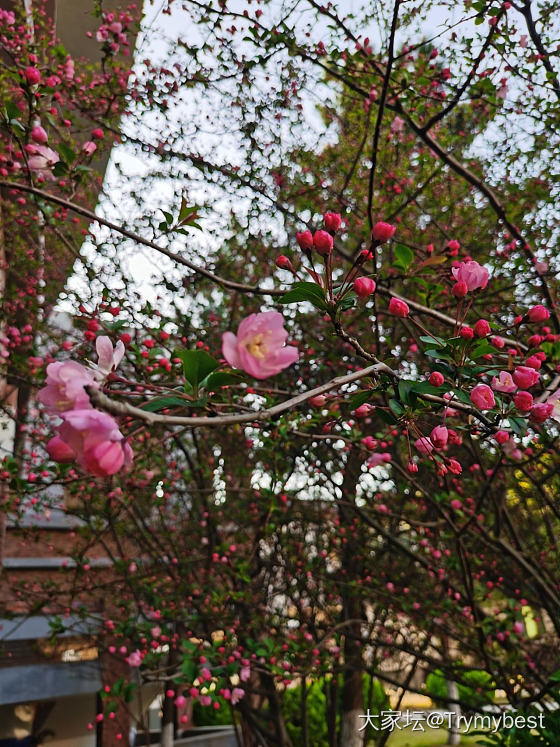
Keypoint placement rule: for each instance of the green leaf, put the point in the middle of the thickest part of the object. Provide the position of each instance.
(424, 387)
(404, 255)
(197, 365)
(310, 292)
(482, 349)
(12, 110)
(67, 153)
(219, 378)
(518, 425)
(433, 340)
(437, 354)
(168, 217)
(348, 302)
(387, 416)
(396, 407)
(461, 396)
(60, 169)
(188, 668)
(359, 399)
(160, 403)
(404, 390)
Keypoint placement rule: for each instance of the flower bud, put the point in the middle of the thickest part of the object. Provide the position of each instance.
(284, 263)
(32, 75)
(538, 313)
(39, 135)
(439, 436)
(460, 289)
(398, 307)
(501, 437)
(436, 378)
(364, 287)
(482, 328)
(523, 401)
(305, 240)
(382, 231)
(323, 242)
(332, 221)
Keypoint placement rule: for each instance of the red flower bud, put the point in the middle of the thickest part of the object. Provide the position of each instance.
(466, 333)
(332, 221)
(305, 240)
(39, 135)
(32, 75)
(283, 263)
(538, 313)
(364, 287)
(460, 289)
(523, 401)
(436, 378)
(482, 328)
(382, 231)
(323, 242)
(398, 307)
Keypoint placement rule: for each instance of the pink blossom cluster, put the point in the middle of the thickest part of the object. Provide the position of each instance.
(112, 32)
(88, 436)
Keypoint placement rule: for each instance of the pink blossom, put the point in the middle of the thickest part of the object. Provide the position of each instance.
(554, 400)
(397, 126)
(102, 34)
(523, 40)
(376, 460)
(512, 450)
(64, 388)
(69, 68)
(538, 313)
(236, 695)
(259, 347)
(41, 160)
(504, 383)
(472, 274)
(109, 357)
(39, 135)
(59, 451)
(424, 445)
(482, 397)
(541, 412)
(95, 438)
(523, 401)
(525, 377)
(439, 436)
(134, 659)
(245, 674)
(89, 148)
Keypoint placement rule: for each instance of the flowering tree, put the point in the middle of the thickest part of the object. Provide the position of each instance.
(330, 450)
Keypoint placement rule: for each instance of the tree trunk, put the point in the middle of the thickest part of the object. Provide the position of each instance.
(454, 708)
(167, 738)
